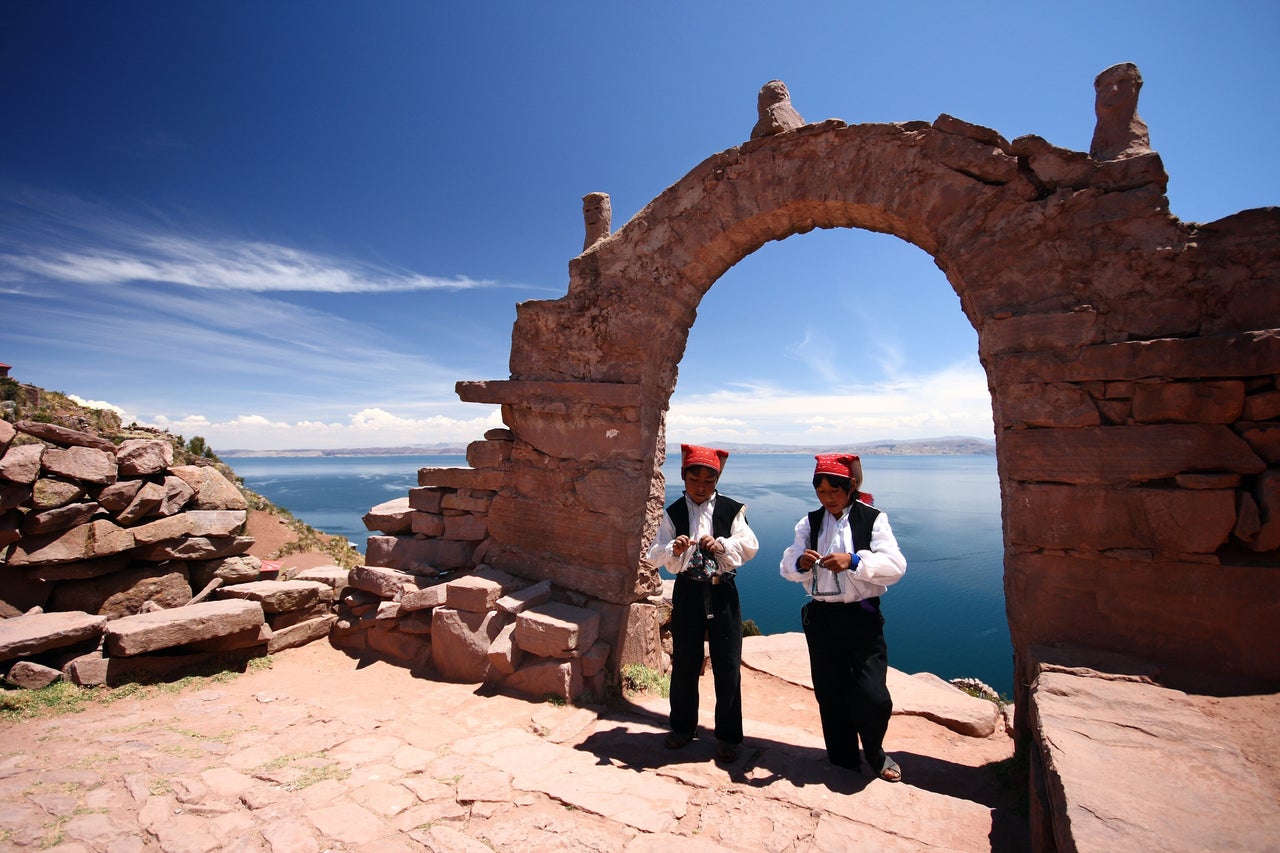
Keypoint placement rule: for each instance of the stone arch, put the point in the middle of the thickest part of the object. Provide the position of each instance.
(1132, 360)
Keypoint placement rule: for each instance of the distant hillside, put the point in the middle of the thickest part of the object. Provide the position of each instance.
(408, 450)
(947, 446)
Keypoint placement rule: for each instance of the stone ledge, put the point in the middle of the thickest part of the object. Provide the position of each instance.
(1132, 766)
(531, 393)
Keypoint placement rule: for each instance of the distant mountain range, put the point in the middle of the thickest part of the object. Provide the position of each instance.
(946, 446)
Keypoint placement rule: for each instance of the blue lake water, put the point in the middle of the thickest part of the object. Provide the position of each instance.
(946, 616)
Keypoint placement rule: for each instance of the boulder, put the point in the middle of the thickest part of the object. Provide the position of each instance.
(32, 676)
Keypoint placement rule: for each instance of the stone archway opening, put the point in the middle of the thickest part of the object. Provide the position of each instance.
(1103, 322)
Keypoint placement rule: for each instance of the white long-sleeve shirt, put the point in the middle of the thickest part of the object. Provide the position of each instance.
(879, 567)
(739, 546)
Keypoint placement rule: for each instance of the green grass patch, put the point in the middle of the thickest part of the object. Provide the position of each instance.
(637, 678)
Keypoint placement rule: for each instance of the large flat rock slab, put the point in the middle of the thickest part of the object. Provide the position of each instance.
(1132, 766)
(786, 656)
(33, 633)
(163, 629)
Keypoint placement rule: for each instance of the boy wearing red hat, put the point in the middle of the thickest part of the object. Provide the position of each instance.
(703, 539)
(846, 556)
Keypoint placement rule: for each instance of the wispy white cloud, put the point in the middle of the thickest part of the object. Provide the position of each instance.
(224, 265)
(953, 401)
(66, 239)
(366, 428)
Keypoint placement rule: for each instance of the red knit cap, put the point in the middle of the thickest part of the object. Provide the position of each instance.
(846, 465)
(692, 454)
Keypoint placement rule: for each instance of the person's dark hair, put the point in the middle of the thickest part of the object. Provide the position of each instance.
(842, 483)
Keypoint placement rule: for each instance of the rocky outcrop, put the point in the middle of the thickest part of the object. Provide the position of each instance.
(122, 547)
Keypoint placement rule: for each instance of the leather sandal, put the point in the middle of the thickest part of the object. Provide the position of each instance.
(890, 772)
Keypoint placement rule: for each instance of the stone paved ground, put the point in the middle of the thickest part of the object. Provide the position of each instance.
(323, 752)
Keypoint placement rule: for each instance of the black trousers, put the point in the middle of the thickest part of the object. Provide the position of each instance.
(712, 612)
(849, 664)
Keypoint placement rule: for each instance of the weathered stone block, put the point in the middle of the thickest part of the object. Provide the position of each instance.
(522, 599)
(427, 499)
(541, 678)
(161, 629)
(84, 464)
(1188, 402)
(426, 524)
(49, 492)
(197, 548)
(465, 528)
(426, 597)
(504, 654)
(278, 596)
(64, 436)
(300, 634)
(389, 517)
(146, 500)
(31, 634)
(210, 490)
(123, 593)
(467, 501)
(142, 457)
(488, 454)
(58, 518)
(382, 582)
(418, 556)
(473, 593)
(555, 630)
(87, 542)
(32, 676)
(241, 568)
(21, 464)
(460, 643)
(460, 478)
(335, 577)
(1122, 455)
(413, 650)
(1164, 521)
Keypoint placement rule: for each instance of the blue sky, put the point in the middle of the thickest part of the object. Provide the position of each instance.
(284, 225)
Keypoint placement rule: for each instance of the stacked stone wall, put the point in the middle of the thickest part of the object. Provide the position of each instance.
(427, 598)
(118, 565)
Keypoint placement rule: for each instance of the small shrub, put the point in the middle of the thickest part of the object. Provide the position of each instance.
(750, 628)
(637, 678)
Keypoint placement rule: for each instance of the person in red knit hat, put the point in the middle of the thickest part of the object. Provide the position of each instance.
(846, 556)
(703, 540)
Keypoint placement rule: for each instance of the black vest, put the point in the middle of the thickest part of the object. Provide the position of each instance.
(721, 518)
(861, 519)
